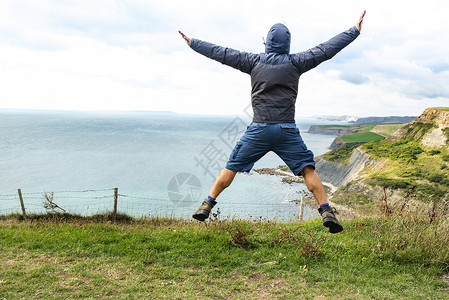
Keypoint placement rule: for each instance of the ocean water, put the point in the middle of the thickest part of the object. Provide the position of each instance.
(162, 164)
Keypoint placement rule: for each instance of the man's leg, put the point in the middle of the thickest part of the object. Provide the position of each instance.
(224, 179)
(314, 184)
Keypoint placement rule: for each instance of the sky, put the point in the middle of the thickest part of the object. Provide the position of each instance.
(128, 55)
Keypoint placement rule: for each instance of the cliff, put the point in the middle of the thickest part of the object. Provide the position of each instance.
(407, 172)
(430, 128)
(339, 174)
(337, 143)
(436, 115)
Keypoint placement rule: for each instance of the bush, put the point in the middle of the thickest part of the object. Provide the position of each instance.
(413, 173)
(436, 177)
(446, 132)
(445, 182)
(434, 152)
(418, 130)
(392, 183)
(341, 155)
(430, 192)
(445, 157)
(402, 150)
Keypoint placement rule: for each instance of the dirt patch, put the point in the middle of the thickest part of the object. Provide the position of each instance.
(260, 286)
(434, 138)
(266, 288)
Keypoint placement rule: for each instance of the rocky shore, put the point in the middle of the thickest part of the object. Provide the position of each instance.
(288, 177)
(332, 174)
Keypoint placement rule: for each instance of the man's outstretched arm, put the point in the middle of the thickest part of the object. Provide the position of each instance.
(239, 60)
(313, 57)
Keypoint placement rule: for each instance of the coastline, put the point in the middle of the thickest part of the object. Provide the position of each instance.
(286, 176)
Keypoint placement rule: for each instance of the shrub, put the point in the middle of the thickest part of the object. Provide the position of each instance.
(418, 130)
(446, 132)
(413, 173)
(341, 155)
(392, 183)
(430, 192)
(445, 181)
(436, 177)
(434, 152)
(405, 151)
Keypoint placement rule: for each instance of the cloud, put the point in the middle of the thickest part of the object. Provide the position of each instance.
(415, 68)
(128, 55)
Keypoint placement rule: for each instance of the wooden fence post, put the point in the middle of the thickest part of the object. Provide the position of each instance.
(21, 204)
(301, 209)
(114, 212)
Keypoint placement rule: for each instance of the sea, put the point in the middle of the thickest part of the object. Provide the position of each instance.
(150, 163)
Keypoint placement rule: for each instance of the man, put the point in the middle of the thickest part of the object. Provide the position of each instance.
(274, 79)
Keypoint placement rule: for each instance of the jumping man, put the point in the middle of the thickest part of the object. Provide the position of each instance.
(274, 80)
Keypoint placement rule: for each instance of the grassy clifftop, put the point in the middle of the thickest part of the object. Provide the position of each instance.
(382, 258)
(409, 165)
(411, 162)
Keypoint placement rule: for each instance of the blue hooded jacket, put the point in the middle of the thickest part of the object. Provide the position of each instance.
(275, 73)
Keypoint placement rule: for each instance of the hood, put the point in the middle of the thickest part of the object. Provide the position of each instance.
(278, 39)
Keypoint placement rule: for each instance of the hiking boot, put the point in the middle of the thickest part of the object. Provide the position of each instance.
(329, 219)
(203, 212)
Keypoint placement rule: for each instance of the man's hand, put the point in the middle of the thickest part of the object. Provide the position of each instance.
(359, 23)
(186, 38)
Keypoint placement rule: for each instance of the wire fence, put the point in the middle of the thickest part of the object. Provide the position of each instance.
(98, 201)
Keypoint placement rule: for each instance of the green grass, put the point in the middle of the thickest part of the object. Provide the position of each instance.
(404, 151)
(382, 258)
(352, 141)
(367, 127)
(408, 164)
(340, 155)
(418, 130)
(366, 133)
(362, 137)
(443, 108)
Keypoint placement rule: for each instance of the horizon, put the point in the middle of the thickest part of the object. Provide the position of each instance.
(164, 112)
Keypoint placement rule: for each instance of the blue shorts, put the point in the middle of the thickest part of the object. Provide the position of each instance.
(260, 138)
